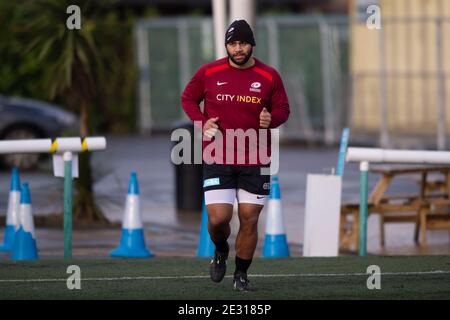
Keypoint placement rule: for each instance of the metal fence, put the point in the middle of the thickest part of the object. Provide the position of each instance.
(310, 52)
(403, 97)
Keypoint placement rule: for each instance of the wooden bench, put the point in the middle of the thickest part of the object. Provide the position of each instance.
(405, 209)
(434, 216)
(428, 210)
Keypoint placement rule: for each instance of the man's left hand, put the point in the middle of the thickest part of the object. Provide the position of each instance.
(264, 119)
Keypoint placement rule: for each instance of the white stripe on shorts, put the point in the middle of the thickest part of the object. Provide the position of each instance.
(229, 196)
(247, 197)
(220, 196)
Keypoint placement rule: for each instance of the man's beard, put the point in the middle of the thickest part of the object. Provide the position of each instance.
(244, 61)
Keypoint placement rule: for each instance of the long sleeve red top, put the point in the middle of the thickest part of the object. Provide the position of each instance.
(237, 97)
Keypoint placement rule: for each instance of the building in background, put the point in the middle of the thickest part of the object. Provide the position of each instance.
(400, 73)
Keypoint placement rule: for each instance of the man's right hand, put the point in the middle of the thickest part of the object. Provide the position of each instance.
(210, 128)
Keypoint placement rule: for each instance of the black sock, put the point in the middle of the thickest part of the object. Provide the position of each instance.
(242, 265)
(222, 247)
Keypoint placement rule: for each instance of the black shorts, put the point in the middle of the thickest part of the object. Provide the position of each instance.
(249, 178)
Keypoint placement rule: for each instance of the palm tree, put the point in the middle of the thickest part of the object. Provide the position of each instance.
(72, 74)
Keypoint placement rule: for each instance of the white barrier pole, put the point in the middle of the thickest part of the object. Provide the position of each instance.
(397, 156)
(59, 145)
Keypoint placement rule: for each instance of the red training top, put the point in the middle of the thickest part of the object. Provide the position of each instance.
(237, 97)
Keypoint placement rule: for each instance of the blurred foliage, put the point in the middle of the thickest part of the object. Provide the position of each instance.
(87, 69)
(19, 74)
(34, 37)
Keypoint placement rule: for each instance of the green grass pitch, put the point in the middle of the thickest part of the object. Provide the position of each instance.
(418, 277)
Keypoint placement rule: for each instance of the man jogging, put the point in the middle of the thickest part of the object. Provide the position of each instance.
(243, 98)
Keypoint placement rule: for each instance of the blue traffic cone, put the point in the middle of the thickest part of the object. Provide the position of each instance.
(275, 242)
(24, 247)
(12, 214)
(132, 241)
(206, 247)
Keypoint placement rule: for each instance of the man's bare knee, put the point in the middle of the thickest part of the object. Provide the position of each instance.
(249, 222)
(219, 214)
(249, 213)
(248, 228)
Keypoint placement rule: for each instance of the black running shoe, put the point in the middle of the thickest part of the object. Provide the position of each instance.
(218, 266)
(241, 282)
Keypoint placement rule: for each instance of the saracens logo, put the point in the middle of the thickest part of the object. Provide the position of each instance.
(255, 87)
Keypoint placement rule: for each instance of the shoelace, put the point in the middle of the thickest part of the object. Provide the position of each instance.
(217, 258)
(243, 280)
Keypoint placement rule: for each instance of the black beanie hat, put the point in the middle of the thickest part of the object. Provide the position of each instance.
(239, 30)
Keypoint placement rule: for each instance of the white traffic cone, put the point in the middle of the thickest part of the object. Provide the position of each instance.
(132, 241)
(24, 247)
(275, 242)
(12, 214)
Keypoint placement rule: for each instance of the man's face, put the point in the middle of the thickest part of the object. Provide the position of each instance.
(239, 52)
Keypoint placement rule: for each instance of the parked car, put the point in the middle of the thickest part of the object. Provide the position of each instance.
(22, 118)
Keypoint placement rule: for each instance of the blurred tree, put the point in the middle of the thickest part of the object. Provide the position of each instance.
(73, 72)
(118, 86)
(19, 75)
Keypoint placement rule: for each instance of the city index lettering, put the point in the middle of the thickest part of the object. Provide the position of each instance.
(239, 98)
(249, 99)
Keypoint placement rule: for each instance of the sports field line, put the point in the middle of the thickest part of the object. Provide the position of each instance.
(412, 273)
